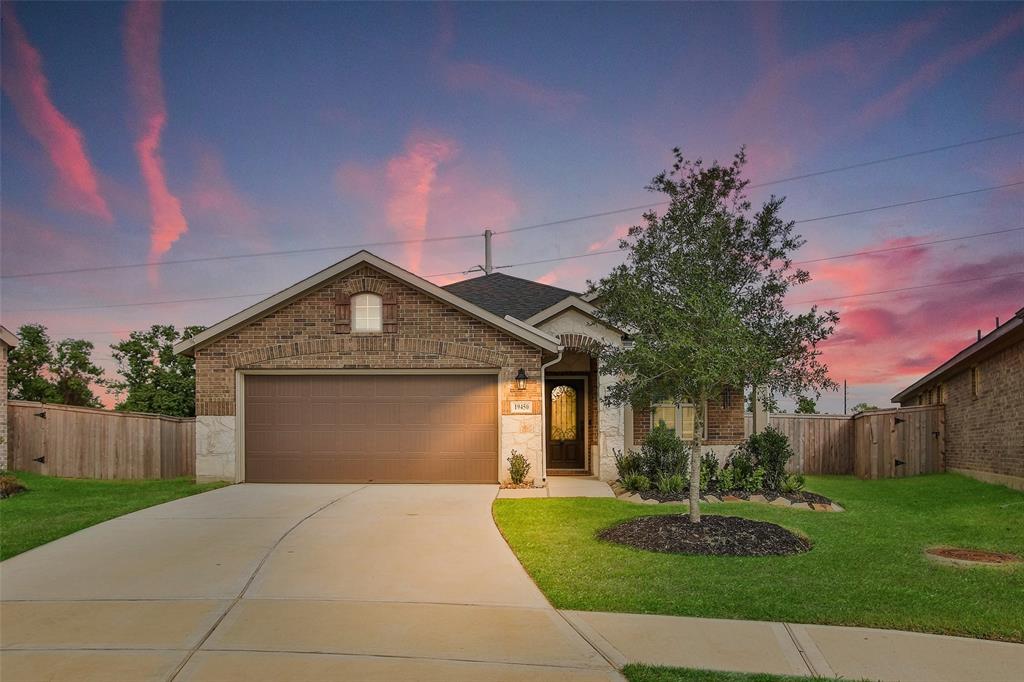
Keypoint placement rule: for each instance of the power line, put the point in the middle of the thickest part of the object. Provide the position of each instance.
(565, 221)
(128, 305)
(921, 286)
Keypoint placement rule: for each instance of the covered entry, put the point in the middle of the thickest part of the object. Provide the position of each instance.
(387, 428)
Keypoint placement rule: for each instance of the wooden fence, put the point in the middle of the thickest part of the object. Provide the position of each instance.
(877, 444)
(82, 442)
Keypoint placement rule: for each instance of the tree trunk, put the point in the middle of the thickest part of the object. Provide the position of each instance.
(698, 439)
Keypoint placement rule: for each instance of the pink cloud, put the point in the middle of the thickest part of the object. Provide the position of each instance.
(142, 53)
(214, 202)
(502, 85)
(898, 99)
(25, 83)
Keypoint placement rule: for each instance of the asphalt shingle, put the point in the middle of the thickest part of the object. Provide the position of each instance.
(503, 294)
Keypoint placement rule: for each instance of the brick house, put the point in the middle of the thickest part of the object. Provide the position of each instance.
(7, 341)
(366, 372)
(982, 389)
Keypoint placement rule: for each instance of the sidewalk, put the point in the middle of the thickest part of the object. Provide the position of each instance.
(788, 649)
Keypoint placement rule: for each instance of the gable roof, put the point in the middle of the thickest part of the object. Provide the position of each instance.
(994, 341)
(534, 337)
(7, 337)
(504, 294)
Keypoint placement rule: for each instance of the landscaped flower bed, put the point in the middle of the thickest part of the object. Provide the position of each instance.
(713, 536)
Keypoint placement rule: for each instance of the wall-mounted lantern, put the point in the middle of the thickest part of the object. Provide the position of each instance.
(521, 379)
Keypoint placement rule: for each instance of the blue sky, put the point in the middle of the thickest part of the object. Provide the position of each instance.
(148, 133)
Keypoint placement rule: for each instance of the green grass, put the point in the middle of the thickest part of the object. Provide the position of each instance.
(866, 566)
(636, 672)
(54, 507)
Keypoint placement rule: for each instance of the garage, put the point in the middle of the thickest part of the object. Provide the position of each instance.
(384, 428)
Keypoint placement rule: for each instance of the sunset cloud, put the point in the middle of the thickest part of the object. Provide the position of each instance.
(142, 53)
(499, 84)
(25, 83)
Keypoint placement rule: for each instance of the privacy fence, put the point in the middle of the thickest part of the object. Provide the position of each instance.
(878, 444)
(82, 442)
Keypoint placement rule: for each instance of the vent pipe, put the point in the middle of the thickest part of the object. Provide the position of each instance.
(488, 264)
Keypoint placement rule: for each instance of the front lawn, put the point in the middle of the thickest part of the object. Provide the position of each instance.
(55, 507)
(636, 672)
(866, 566)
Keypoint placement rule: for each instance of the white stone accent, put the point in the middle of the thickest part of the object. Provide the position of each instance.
(611, 430)
(523, 433)
(215, 448)
(572, 321)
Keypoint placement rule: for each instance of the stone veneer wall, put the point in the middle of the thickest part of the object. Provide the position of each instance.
(3, 405)
(985, 435)
(430, 334)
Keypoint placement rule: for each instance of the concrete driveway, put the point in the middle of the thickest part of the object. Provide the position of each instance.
(274, 582)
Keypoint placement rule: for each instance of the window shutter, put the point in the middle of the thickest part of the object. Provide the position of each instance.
(342, 313)
(390, 312)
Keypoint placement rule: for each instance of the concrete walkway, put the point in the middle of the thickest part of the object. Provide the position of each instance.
(272, 582)
(562, 486)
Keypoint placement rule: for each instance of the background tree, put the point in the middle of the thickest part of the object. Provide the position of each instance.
(701, 293)
(805, 405)
(40, 370)
(864, 407)
(153, 378)
(770, 403)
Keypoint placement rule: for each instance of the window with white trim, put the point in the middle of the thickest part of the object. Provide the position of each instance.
(367, 315)
(678, 418)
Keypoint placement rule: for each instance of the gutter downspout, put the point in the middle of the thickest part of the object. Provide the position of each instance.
(544, 415)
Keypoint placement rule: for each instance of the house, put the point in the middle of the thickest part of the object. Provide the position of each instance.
(982, 389)
(7, 341)
(367, 372)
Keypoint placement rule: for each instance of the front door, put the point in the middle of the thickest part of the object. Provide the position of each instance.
(566, 435)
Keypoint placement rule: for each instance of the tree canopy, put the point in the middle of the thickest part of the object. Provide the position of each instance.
(63, 372)
(153, 378)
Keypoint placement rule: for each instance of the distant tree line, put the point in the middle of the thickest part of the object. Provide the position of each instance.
(150, 377)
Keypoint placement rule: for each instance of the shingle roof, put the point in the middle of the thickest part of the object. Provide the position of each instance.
(504, 294)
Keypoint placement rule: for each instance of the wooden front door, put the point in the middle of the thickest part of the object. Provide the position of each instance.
(566, 432)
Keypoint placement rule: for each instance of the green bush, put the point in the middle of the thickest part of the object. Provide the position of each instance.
(794, 483)
(628, 463)
(518, 467)
(708, 469)
(670, 484)
(771, 451)
(663, 452)
(636, 482)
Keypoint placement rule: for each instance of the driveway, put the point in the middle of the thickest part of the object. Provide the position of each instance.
(271, 582)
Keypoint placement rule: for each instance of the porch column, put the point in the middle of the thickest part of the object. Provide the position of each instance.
(610, 429)
(760, 410)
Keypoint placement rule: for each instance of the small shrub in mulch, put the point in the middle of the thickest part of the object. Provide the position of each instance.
(713, 536)
(684, 496)
(9, 485)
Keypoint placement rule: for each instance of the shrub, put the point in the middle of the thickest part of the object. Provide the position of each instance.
(794, 483)
(663, 452)
(670, 484)
(727, 479)
(628, 463)
(636, 482)
(518, 467)
(708, 469)
(771, 451)
(9, 485)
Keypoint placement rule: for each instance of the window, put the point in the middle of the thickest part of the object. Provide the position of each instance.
(678, 418)
(975, 382)
(563, 413)
(942, 394)
(366, 313)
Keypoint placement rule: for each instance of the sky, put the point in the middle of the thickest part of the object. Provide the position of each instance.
(140, 133)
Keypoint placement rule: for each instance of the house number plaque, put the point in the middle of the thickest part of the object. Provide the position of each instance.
(522, 407)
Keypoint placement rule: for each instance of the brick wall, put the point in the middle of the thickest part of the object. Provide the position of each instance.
(724, 421)
(431, 335)
(987, 433)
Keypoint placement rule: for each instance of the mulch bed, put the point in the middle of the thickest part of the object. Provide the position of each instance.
(713, 536)
(684, 496)
(979, 556)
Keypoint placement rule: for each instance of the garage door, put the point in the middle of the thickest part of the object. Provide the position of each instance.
(383, 428)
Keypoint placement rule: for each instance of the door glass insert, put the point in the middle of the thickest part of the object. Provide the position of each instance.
(563, 413)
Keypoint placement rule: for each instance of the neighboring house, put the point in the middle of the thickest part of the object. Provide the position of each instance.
(982, 389)
(7, 341)
(366, 372)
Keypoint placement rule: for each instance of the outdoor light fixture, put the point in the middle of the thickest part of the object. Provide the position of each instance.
(521, 379)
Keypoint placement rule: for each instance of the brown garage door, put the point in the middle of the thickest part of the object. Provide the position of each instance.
(382, 428)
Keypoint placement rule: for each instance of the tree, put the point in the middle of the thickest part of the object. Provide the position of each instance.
(73, 371)
(805, 405)
(770, 403)
(27, 363)
(701, 295)
(863, 407)
(154, 379)
(63, 372)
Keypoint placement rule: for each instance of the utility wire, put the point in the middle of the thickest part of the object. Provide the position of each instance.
(921, 286)
(565, 221)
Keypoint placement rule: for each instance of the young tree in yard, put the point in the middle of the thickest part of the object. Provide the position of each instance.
(805, 405)
(863, 407)
(73, 371)
(27, 363)
(701, 296)
(154, 379)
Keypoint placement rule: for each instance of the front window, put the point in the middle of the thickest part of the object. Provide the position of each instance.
(563, 413)
(366, 313)
(677, 418)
